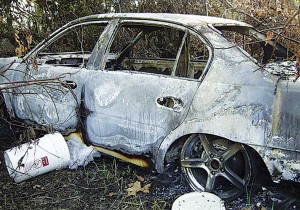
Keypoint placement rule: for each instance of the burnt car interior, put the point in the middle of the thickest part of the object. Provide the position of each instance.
(139, 48)
(254, 43)
(158, 50)
(73, 48)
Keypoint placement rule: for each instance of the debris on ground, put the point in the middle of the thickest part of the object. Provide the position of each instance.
(81, 154)
(136, 187)
(37, 157)
(198, 201)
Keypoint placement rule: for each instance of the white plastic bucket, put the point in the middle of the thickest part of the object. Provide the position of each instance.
(198, 201)
(37, 157)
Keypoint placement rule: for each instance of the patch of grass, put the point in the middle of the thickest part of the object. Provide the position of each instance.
(100, 185)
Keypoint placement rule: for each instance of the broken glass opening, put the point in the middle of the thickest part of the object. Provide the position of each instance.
(255, 43)
(73, 48)
(157, 50)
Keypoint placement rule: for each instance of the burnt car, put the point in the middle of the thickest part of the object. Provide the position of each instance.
(153, 89)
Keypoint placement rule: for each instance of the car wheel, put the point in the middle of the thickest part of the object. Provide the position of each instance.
(216, 165)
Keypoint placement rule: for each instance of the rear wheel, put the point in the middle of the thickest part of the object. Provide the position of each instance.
(216, 165)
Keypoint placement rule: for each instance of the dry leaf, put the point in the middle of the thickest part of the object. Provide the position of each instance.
(29, 1)
(29, 39)
(135, 187)
(18, 52)
(1, 18)
(146, 188)
(22, 48)
(17, 38)
(269, 37)
(140, 178)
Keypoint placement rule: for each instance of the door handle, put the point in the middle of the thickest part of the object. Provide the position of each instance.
(171, 102)
(69, 84)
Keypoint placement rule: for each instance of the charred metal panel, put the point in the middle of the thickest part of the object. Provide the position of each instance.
(282, 164)
(7, 66)
(100, 54)
(125, 109)
(183, 19)
(234, 98)
(5, 63)
(286, 117)
(236, 101)
(48, 103)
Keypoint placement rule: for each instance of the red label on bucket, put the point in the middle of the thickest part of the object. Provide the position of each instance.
(36, 164)
(45, 161)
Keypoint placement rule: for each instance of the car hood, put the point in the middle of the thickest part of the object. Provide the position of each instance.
(6, 62)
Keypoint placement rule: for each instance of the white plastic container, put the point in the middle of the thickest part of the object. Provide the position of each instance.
(198, 201)
(37, 157)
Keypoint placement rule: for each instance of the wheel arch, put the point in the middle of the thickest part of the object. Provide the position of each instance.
(169, 147)
(170, 144)
(251, 167)
(266, 179)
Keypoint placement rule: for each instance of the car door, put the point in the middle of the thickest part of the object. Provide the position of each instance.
(146, 89)
(54, 77)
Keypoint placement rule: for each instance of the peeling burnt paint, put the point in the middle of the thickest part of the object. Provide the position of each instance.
(134, 120)
(286, 117)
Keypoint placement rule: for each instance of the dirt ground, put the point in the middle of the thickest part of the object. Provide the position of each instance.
(104, 183)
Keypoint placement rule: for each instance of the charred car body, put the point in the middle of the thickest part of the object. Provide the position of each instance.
(165, 87)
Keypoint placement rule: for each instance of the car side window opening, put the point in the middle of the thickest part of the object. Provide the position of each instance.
(158, 50)
(254, 43)
(73, 47)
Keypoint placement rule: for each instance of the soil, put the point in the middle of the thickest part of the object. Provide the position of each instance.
(104, 182)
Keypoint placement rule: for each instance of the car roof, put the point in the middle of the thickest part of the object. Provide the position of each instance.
(193, 21)
(185, 19)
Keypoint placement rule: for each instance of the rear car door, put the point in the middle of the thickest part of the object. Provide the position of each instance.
(146, 88)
